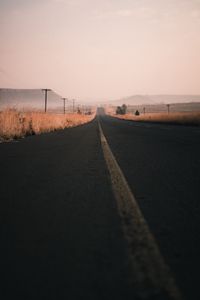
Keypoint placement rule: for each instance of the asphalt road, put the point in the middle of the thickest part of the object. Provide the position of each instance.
(162, 166)
(61, 233)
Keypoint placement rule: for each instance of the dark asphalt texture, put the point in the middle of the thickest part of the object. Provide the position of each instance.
(61, 234)
(162, 166)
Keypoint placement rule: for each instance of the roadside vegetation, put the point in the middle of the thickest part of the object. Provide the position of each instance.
(15, 124)
(182, 118)
(121, 110)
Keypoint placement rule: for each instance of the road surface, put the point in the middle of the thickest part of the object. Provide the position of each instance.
(62, 234)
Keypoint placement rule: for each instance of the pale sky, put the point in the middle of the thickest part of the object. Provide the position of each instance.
(101, 49)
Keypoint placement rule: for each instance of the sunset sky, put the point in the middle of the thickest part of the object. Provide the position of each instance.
(92, 49)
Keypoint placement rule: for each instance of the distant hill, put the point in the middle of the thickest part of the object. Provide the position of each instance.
(155, 99)
(28, 99)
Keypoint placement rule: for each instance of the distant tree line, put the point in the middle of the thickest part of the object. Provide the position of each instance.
(121, 110)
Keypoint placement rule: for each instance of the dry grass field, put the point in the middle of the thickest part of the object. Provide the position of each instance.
(15, 124)
(182, 118)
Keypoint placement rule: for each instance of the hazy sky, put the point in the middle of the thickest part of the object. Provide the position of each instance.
(102, 49)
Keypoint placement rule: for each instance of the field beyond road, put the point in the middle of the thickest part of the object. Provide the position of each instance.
(62, 235)
(179, 118)
(16, 124)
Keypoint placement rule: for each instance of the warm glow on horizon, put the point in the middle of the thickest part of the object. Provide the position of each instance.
(93, 49)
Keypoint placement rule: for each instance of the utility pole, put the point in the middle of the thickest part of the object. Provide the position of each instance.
(144, 110)
(64, 99)
(168, 105)
(45, 98)
(73, 104)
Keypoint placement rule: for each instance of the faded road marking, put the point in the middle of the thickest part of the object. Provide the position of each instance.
(151, 277)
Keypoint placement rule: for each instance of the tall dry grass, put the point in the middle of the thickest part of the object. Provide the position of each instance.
(181, 118)
(15, 124)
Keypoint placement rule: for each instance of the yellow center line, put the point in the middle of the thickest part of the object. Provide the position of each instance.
(151, 277)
